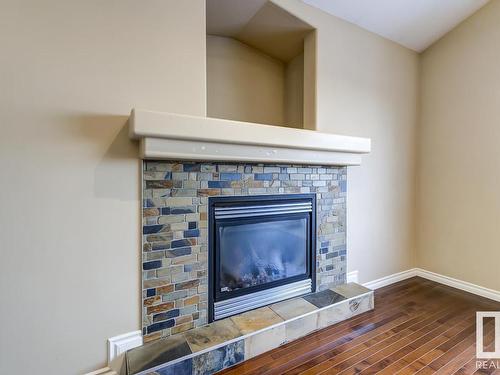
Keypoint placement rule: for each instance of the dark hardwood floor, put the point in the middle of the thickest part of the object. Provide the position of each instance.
(418, 326)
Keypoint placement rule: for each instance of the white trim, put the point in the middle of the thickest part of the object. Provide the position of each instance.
(391, 279)
(103, 371)
(176, 136)
(178, 149)
(120, 344)
(352, 277)
(441, 279)
(460, 284)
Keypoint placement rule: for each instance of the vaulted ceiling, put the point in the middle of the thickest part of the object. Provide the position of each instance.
(415, 24)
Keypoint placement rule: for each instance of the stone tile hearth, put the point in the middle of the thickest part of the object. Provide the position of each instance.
(292, 308)
(255, 320)
(221, 344)
(212, 334)
(324, 298)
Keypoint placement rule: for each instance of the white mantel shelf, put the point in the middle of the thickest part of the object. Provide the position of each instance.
(183, 137)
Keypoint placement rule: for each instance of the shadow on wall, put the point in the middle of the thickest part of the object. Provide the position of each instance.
(117, 170)
(118, 166)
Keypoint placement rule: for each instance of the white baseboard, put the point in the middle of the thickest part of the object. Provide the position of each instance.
(103, 371)
(460, 284)
(391, 279)
(120, 344)
(117, 346)
(442, 279)
(352, 277)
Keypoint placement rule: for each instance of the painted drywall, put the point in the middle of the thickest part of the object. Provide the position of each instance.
(70, 71)
(458, 217)
(259, 24)
(243, 83)
(70, 222)
(368, 86)
(310, 62)
(294, 92)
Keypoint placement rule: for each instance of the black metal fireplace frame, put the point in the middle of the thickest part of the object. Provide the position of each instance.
(214, 295)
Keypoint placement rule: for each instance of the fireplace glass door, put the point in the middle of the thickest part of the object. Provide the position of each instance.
(254, 252)
(258, 246)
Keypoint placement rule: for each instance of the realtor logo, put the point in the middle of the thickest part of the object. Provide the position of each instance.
(480, 353)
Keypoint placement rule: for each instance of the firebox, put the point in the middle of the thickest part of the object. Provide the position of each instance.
(262, 249)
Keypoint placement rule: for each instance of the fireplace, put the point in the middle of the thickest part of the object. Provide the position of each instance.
(262, 249)
(179, 201)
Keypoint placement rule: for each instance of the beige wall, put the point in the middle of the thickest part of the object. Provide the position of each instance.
(243, 83)
(294, 92)
(459, 174)
(69, 218)
(70, 71)
(367, 86)
(309, 80)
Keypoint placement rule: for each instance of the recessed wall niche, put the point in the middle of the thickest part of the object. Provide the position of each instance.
(261, 64)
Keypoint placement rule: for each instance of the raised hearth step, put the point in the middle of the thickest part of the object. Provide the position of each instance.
(226, 342)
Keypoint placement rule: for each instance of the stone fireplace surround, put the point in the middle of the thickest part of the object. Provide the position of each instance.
(229, 157)
(175, 233)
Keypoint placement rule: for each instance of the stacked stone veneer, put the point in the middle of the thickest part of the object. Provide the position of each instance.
(175, 234)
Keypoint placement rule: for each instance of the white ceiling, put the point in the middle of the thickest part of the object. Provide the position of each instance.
(415, 24)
